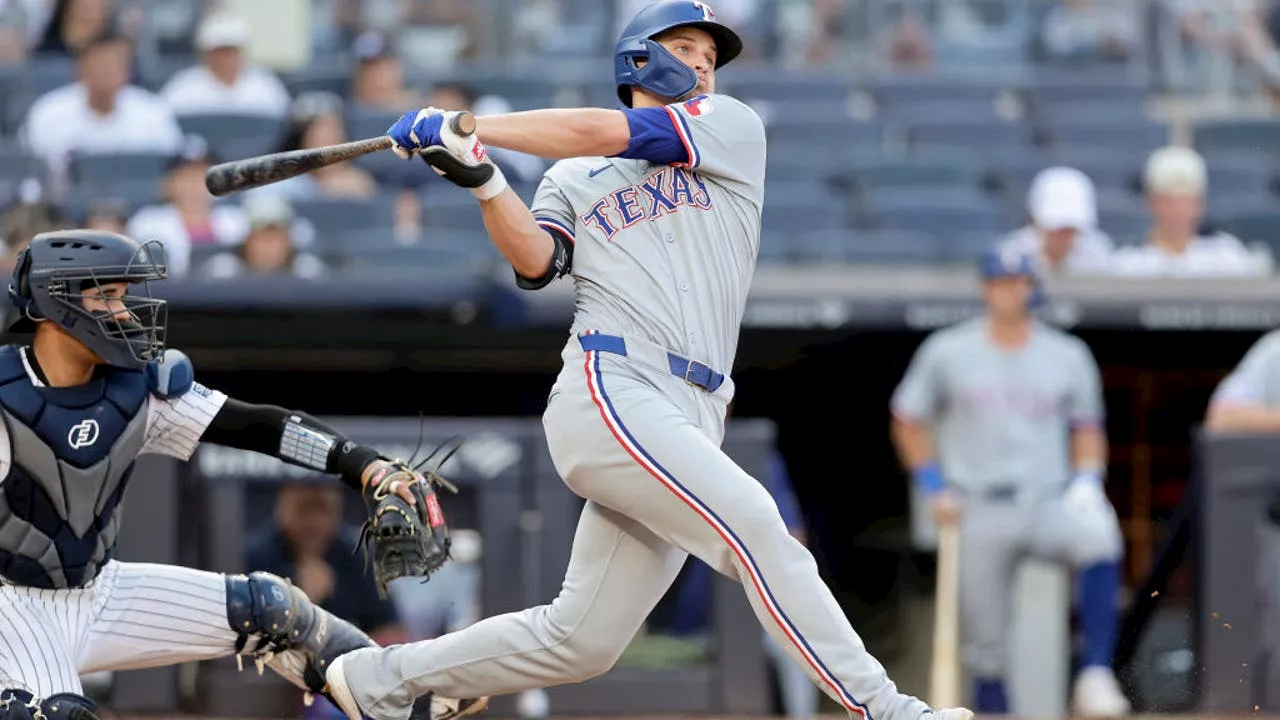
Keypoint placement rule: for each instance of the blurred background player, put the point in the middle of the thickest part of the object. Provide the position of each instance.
(1000, 420)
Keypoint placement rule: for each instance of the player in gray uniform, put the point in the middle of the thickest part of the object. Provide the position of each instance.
(1248, 400)
(1000, 420)
(654, 211)
(95, 389)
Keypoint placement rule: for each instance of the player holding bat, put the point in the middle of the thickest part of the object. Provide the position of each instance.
(654, 210)
(1001, 421)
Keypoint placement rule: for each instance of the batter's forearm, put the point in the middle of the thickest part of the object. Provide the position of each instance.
(1089, 450)
(557, 133)
(517, 236)
(1242, 418)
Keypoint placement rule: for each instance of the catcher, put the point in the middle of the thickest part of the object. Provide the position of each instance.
(95, 389)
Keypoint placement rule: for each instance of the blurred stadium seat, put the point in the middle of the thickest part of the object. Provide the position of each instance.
(873, 174)
(335, 217)
(867, 246)
(232, 135)
(107, 168)
(937, 211)
(1247, 135)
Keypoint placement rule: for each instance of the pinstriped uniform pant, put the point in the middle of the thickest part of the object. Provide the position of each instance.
(643, 447)
(133, 615)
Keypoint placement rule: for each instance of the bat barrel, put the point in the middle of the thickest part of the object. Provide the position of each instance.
(228, 177)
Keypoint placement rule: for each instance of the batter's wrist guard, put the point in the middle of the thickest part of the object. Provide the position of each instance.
(928, 478)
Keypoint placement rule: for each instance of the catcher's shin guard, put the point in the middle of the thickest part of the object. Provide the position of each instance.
(280, 628)
(22, 705)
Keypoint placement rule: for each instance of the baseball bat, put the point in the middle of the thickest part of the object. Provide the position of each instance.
(944, 678)
(236, 175)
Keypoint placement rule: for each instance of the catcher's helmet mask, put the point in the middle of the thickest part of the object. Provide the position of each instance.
(59, 271)
(640, 61)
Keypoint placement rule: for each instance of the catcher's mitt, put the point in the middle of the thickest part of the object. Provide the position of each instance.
(404, 540)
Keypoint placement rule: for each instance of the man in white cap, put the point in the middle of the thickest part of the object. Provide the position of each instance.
(1063, 236)
(1178, 244)
(223, 82)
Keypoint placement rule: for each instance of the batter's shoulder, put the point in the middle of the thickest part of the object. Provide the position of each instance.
(955, 338)
(572, 167)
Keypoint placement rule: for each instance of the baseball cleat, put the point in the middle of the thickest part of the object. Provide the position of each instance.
(338, 690)
(443, 708)
(1097, 693)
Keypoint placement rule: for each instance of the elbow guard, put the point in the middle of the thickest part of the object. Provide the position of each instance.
(561, 261)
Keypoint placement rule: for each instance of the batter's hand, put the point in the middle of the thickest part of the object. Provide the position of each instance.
(945, 506)
(415, 130)
(462, 159)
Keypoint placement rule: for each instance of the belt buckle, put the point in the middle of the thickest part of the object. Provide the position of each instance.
(688, 370)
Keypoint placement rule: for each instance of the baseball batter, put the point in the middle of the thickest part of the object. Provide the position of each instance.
(95, 389)
(654, 210)
(1000, 420)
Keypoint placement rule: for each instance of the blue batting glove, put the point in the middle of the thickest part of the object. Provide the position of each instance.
(415, 130)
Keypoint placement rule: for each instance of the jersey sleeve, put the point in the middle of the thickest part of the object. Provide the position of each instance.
(918, 397)
(1250, 382)
(174, 425)
(552, 211)
(1085, 408)
(716, 135)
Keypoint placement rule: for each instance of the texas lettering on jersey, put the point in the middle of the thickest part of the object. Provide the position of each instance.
(666, 191)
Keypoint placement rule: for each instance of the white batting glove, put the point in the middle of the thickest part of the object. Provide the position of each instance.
(1085, 496)
(471, 153)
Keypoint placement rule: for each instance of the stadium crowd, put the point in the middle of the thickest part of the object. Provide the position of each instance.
(902, 132)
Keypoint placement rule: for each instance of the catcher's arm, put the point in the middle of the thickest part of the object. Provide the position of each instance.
(406, 531)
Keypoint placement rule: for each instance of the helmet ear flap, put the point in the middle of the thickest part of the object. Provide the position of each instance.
(20, 288)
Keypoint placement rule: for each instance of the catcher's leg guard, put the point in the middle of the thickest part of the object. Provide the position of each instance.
(279, 627)
(22, 705)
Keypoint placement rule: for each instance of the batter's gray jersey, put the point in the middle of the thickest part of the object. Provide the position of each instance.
(1256, 380)
(1000, 417)
(662, 252)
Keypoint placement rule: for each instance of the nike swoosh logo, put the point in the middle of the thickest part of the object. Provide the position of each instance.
(597, 171)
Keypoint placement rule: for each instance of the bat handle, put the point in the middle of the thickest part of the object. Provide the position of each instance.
(463, 124)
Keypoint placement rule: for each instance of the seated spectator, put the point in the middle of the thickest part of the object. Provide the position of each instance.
(20, 222)
(109, 214)
(318, 121)
(1248, 400)
(27, 20)
(309, 543)
(459, 96)
(100, 113)
(269, 248)
(223, 83)
(378, 82)
(1178, 244)
(190, 218)
(1230, 31)
(76, 24)
(1063, 234)
(1090, 30)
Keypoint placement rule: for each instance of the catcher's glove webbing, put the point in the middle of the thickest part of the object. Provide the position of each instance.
(405, 540)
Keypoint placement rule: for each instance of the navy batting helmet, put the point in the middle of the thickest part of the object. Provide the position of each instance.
(1006, 263)
(663, 74)
(59, 271)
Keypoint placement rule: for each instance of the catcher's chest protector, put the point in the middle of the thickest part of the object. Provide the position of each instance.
(72, 450)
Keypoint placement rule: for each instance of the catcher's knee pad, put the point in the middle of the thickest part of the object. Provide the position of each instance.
(22, 705)
(279, 617)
